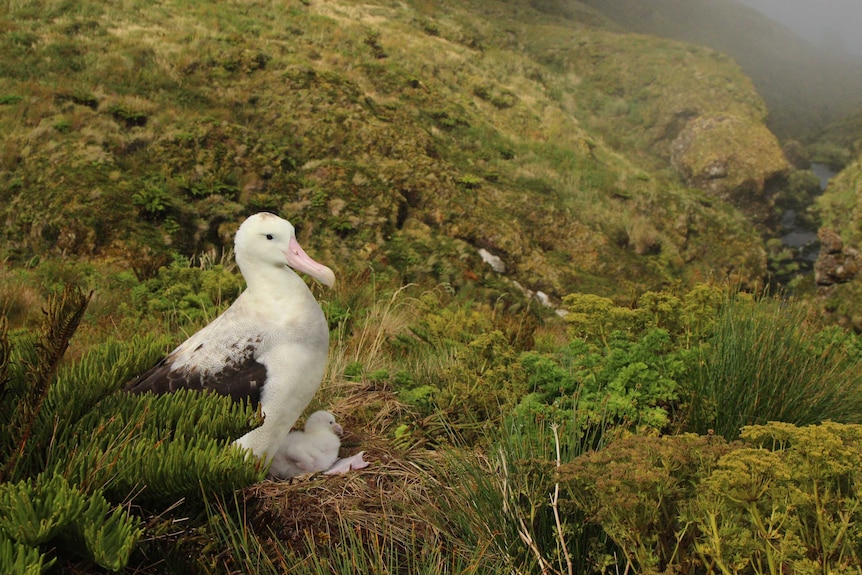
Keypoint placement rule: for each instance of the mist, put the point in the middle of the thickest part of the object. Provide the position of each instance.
(829, 24)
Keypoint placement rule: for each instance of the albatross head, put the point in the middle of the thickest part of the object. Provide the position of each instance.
(265, 238)
(322, 420)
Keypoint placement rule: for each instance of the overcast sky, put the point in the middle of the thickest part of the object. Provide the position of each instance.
(827, 23)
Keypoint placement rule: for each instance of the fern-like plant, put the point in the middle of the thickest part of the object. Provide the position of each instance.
(80, 462)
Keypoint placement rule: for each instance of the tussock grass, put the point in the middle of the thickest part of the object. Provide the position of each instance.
(770, 361)
(507, 498)
(383, 317)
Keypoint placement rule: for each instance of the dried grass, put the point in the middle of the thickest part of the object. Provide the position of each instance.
(383, 318)
(390, 499)
(386, 499)
(19, 302)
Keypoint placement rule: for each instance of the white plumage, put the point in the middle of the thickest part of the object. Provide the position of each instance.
(270, 346)
(309, 451)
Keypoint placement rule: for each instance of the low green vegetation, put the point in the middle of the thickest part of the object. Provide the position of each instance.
(781, 497)
(75, 452)
(650, 419)
(387, 133)
(642, 436)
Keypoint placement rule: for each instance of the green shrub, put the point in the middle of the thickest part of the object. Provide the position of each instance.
(727, 361)
(623, 364)
(782, 499)
(468, 373)
(153, 199)
(636, 489)
(626, 383)
(185, 293)
(789, 499)
(685, 317)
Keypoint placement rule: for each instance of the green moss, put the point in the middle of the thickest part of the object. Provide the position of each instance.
(407, 148)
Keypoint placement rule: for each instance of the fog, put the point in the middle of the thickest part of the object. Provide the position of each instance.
(831, 24)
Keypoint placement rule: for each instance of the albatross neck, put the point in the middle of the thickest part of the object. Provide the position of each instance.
(277, 281)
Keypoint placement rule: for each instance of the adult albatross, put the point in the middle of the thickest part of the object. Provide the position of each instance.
(269, 346)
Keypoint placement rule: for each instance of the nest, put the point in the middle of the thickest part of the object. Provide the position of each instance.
(392, 498)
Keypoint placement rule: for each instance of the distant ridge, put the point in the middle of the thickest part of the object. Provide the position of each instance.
(805, 88)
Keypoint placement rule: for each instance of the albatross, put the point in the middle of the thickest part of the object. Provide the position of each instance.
(270, 346)
(309, 451)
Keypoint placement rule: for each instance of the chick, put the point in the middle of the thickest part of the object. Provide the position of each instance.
(309, 451)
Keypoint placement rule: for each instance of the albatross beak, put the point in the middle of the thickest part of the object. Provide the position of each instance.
(337, 429)
(301, 262)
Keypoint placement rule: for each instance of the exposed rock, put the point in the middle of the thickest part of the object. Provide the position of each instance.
(732, 158)
(717, 170)
(540, 297)
(836, 263)
(496, 263)
(830, 241)
(543, 298)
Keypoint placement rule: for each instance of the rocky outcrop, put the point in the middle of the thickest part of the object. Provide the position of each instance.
(837, 263)
(690, 107)
(732, 158)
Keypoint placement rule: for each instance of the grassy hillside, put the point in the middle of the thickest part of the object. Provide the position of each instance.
(838, 209)
(402, 138)
(408, 136)
(805, 88)
(840, 142)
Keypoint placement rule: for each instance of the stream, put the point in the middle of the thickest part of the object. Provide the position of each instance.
(795, 235)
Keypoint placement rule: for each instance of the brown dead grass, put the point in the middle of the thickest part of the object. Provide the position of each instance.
(392, 499)
(20, 302)
(389, 499)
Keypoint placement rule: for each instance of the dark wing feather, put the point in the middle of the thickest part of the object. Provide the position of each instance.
(242, 377)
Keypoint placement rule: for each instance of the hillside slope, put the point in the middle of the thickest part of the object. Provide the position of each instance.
(840, 262)
(408, 136)
(805, 88)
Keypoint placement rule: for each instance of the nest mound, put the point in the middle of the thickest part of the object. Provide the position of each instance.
(392, 498)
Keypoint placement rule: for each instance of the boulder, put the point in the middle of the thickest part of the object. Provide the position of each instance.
(836, 263)
(733, 158)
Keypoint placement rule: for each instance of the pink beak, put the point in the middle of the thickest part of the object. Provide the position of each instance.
(301, 262)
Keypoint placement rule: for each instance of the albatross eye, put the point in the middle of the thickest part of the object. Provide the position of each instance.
(269, 236)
